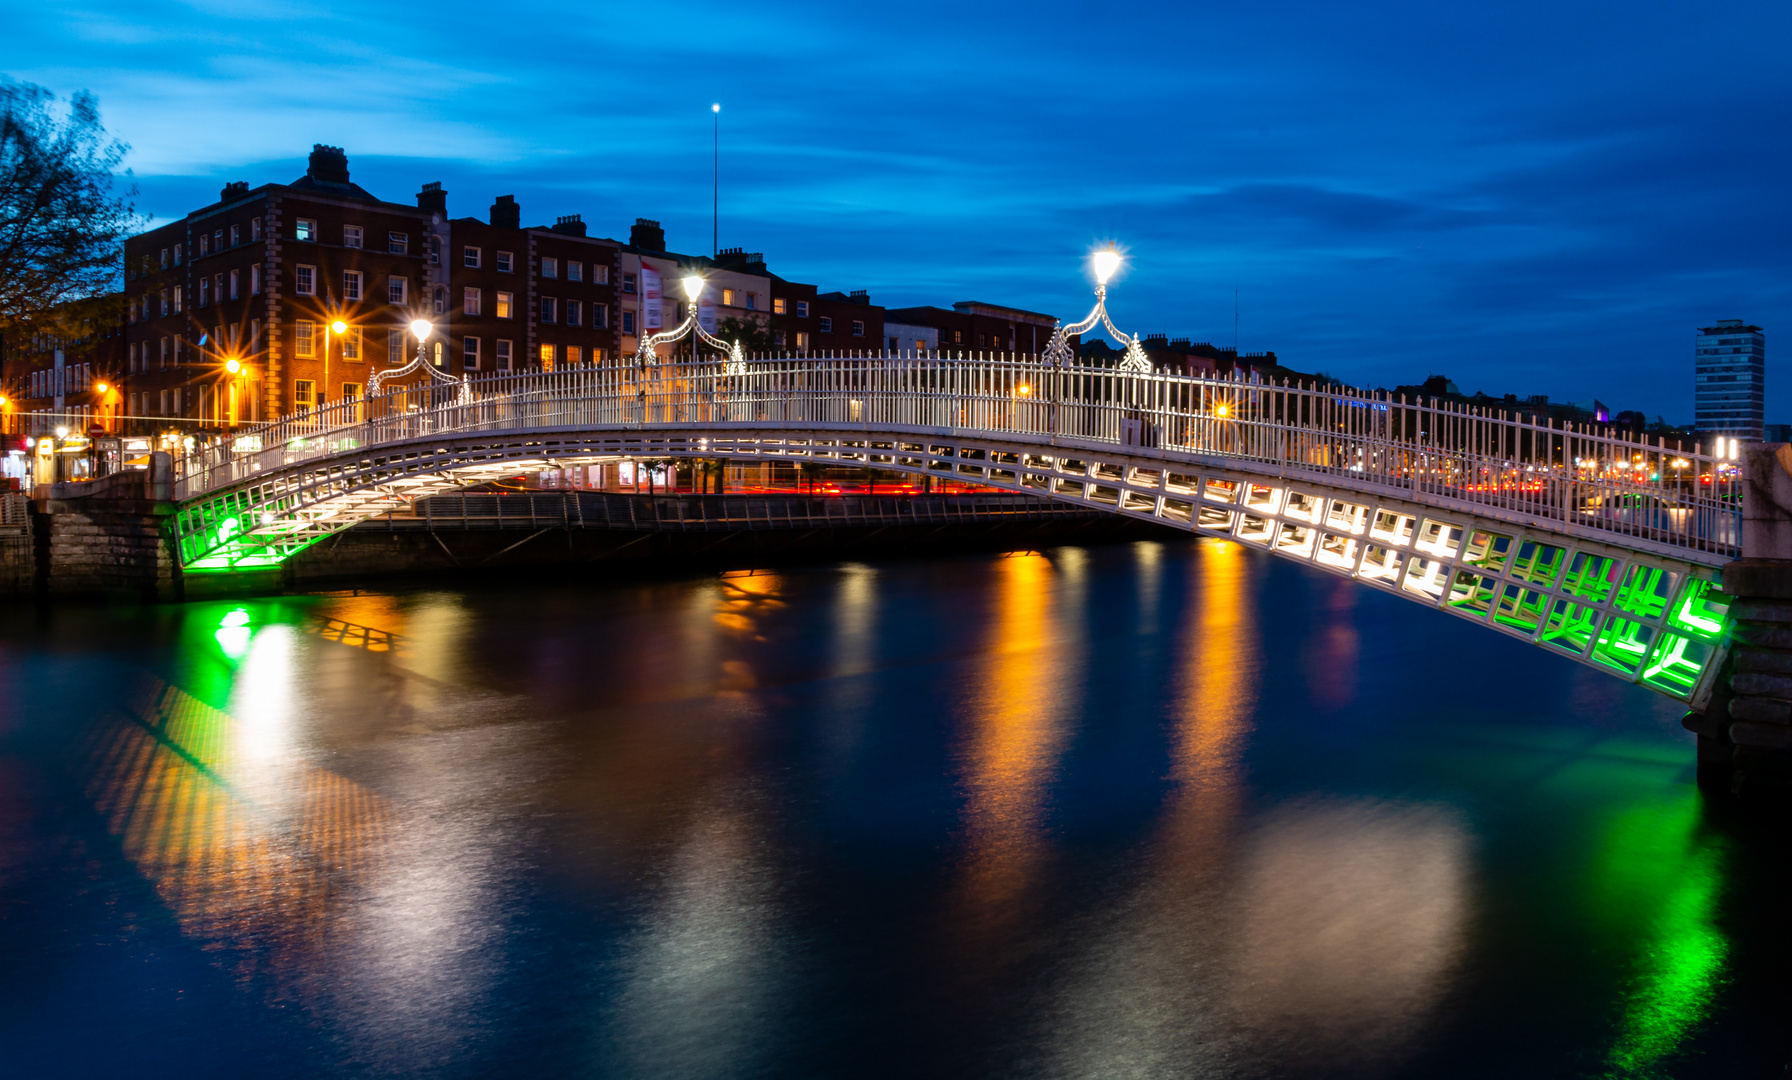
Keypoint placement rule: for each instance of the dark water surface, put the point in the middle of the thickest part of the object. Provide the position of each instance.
(1139, 811)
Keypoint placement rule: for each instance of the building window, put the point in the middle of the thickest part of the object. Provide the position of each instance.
(628, 283)
(858, 328)
(469, 353)
(802, 340)
(550, 267)
(470, 301)
(441, 299)
(255, 280)
(204, 290)
(304, 338)
(958, 337)
(351, 284)
(396, 288)
(398, 243)
(600, 316)
(254, 230)
(600, 275)
(205, 246)
(301, 393)
(628, 322)
(802, 309)
(506, 262)
(575, 271)
(469, 257)
(547, 358)
(727, 297)
(233, 285)
(177, 304)
(164, 258)
(501, 357)
(304, 280)
(506, 306)
(303, 229)
(574, 312)
(825, 324)
(983, 341)
(177, 254)
(351, 236)
(547, 309)
(895, 344)
(437, 346)
(236, 236)
(351, 343)
(597, 355)
(751, 301)
(572, 356)
(351, 391)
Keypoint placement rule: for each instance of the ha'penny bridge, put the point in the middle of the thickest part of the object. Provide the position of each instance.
(1598, 546)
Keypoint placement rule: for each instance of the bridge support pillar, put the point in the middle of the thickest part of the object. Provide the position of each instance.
(1745, 732)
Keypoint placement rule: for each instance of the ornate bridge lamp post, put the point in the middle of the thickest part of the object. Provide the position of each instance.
(420, 329)
(733, 366)
(1058, 353)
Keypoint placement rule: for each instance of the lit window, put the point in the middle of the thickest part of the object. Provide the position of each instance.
(470, 301)
(802, 340)
(572, 356)
(506, 305)
(727, 297)
(351, 284)
(547, 357)
(547, 309)
(550, 267)
(575, 271)
(351, 236)
(574, 312)
(469, 256)
(303, 229)
(825, 325)
(304, 338)
(501, 357)
(398, 243)
(858, 328)
(304, 280)
(351, 391)
(469, 353)
(396, 288)
(505, 262)
(802, 309)
(301, 393)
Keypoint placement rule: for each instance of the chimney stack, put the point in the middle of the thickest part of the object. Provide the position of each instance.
(432, 197)
(234, 191)
(569, 225)
(329, 164)
(506, 214)
(647, 234)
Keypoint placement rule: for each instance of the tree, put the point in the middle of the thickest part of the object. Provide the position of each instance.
(62, 221)
(753, 337)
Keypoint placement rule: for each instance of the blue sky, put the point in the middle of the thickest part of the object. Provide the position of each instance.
(1530, 197)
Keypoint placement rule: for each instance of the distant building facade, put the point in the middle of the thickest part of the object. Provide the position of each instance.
(1730, 380)
(972, 326)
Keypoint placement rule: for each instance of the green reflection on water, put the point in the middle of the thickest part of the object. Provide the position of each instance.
(1658, 882)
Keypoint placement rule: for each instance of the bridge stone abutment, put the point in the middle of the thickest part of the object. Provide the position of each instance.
(108, 536)
(1745, 730)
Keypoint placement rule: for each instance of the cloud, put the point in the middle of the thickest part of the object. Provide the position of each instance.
(1534, 197)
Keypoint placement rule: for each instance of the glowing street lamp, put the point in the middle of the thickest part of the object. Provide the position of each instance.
(693, 285)
(1105, 262)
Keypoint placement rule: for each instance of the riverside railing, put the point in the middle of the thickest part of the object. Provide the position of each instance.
(1439, 453)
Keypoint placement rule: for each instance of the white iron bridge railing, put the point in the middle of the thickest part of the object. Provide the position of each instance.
(1436, 453)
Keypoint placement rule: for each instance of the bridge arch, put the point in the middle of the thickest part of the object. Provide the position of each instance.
(1487, 518)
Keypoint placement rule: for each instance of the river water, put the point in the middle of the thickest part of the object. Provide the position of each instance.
(1147, 810)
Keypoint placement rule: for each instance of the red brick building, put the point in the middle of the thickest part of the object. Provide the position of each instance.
(973, 326)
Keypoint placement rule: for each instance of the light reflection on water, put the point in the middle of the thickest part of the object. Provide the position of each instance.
(1160, 810)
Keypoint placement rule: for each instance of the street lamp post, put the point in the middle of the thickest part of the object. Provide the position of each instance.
(338, 328)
